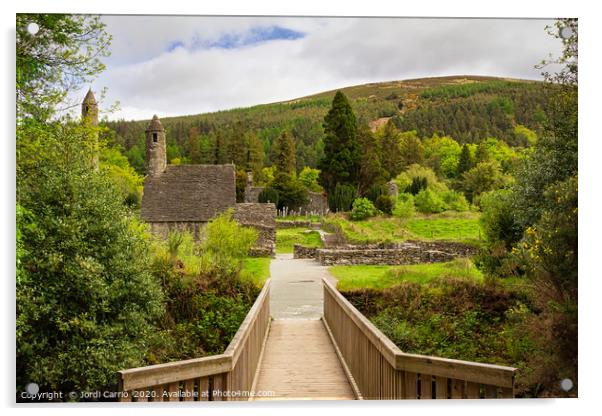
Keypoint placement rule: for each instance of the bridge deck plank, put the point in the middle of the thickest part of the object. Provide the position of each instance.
(300, 362)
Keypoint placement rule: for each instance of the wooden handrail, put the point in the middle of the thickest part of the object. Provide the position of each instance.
(227, 376)
(381, 370)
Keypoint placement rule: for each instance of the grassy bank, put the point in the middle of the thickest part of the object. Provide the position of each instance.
(287, 237)
(381, 277)
(463, 227)
(256, 270)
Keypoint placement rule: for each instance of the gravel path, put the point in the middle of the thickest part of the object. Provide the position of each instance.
(296, 291)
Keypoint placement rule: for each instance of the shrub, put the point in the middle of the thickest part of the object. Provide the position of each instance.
(384, 203)
(418, 184)
(455, 201)
(376, 191)
(362, 209)
(268, 194)
(342, 198)
(405, 179)
(404, 208)
(429, 202)
(225, 243)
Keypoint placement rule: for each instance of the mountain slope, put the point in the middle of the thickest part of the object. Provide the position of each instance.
(468, 108)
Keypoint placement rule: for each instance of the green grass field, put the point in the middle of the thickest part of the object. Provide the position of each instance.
(287, 237)
(440, 227)
(382, 277)
(256, 269)
(454, 226)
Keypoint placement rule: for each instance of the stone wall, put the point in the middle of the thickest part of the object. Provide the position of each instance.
(317, 205)
(411, 252)
(302, 252)
(297, 224)
(262, 217)
(399, 256)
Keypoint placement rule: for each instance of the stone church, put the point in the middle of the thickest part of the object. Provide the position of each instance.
(185, 197)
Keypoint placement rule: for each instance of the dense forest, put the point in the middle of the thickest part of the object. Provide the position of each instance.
(467, 108)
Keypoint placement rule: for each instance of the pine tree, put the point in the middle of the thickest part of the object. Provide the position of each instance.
(285, 153)
(221, 148)
(391, 159)
(342, 153)
(371, 170)
(465, 162)
(412, 151)
(255, 153)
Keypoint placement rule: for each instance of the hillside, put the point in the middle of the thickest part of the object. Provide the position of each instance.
(467, 108)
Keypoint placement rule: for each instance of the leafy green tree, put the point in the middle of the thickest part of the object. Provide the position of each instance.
(309, 178)
(524, 136)
(125, 178)
(485, 176)
(86, 298)
(284, 148)
(442, 154)
(342, 152)
(63, 55)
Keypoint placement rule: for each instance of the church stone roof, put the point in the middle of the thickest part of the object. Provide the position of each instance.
(188, 193)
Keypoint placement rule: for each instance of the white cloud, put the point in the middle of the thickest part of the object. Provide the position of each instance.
(335, 52)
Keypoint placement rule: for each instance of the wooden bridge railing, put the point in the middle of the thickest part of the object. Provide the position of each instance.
(382, 371)
(227, 376)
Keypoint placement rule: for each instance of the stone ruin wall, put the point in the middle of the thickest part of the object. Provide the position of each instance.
(262, 217)
(414, 252)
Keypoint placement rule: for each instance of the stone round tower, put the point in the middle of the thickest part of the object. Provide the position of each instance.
(156, 157)
(90, 109)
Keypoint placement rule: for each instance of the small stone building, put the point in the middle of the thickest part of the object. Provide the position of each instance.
(185, 197)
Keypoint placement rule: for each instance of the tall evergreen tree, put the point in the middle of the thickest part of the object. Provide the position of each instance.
(391, 159)
(285, 153)
(412, 151)
(255, 153)
(465, 162)
(221, 148)
(342, 154)
(371, 171)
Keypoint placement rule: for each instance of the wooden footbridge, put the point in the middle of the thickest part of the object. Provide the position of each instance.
(341, 355)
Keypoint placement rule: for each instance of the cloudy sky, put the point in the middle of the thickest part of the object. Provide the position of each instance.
(176, 65)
